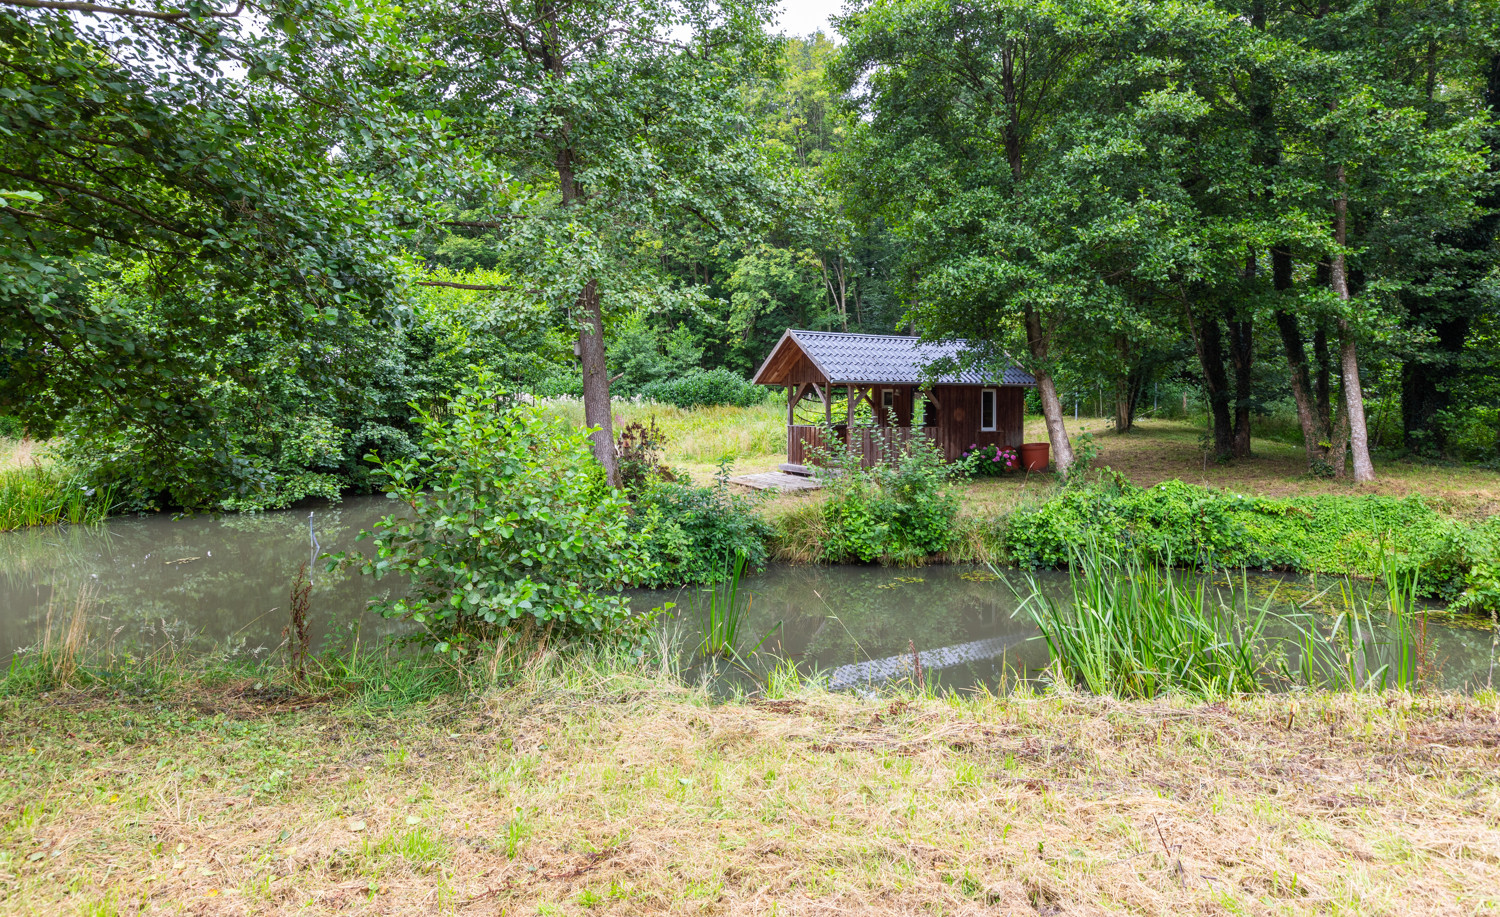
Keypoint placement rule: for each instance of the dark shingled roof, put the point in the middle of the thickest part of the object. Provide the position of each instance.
(882, 358)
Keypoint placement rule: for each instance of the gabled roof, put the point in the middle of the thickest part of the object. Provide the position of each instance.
(875, 359)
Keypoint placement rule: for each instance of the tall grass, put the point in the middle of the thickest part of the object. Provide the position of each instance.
(39, 493)
(1137, 630)
(704, 435)
(1131, 628)
(724, 614)
(1374, 641)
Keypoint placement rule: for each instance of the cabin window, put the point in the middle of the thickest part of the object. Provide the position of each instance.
(987, 410)
(929, 413)
(888, 399)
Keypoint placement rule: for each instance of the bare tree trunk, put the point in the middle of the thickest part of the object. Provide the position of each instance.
(1241, 354)
(1296, 360)
(1354, 399)
(1052, 411)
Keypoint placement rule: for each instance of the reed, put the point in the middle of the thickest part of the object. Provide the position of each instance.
(1135, 629)
(724, 614)
(40, 493)
(1364, 649)
(64, 639)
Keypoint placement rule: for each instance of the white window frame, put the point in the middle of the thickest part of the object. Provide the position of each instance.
(888, 399)
(994, 396)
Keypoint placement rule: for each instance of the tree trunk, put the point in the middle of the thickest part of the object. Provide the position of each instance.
(591, 357)
(1296, 361)
(1354, 399)
(1052, 411)
(1209, 344)
(596, 406)
(1241, 355)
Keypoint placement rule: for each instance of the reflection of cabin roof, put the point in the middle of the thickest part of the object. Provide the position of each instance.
(873, 359)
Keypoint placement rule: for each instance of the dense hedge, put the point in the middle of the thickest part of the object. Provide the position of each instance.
(705, 387)
(1186, 524)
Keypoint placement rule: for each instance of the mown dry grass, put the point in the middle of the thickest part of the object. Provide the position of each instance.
(631, 796)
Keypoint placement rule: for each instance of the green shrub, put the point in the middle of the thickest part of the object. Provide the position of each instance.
(899, 512)
(1172, 522)
(1189, 525)
(705, 388)
(693, 533)
(506, 520)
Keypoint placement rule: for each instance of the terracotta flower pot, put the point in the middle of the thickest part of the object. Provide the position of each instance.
(1035, 456)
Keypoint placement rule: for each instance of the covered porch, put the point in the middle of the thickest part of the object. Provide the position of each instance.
(871, 392)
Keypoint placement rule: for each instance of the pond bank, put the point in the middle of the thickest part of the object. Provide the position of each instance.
(569, 788)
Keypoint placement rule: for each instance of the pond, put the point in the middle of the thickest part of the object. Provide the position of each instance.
(221, 584)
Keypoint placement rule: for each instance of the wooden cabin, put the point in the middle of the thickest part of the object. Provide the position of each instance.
(888, 373)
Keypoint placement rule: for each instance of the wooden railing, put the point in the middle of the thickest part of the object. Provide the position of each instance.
(875, 444)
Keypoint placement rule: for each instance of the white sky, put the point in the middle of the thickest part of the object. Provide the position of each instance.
(803, 17)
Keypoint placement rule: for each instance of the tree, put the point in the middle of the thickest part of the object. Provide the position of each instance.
(202, 148)
(958, 102)
(599, 125)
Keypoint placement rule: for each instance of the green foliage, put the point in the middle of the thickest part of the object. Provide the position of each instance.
(506, 521)
(705, 388)
(642, 356)
(259, 417)
(693, 534)
(896, 512)
(203, 146)
(1179, 523)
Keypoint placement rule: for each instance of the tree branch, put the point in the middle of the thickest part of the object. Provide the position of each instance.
(76, 6)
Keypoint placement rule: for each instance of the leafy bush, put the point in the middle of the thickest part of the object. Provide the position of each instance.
(897, 512)
(259, 414)
(693, 534)
(506, 520)
(705, 387)
(639, 448)
(1185, 524)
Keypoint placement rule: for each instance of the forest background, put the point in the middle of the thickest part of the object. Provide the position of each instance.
(239, 243)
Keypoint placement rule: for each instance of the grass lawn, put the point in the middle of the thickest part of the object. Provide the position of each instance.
(629, 794)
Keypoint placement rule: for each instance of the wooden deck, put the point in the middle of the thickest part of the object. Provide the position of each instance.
(775, 480)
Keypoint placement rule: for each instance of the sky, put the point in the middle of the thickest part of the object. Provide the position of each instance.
(803, 17)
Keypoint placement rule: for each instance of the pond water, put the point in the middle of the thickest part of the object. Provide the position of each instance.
(221, 584)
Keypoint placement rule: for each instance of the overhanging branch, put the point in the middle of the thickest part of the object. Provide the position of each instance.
(80, 7)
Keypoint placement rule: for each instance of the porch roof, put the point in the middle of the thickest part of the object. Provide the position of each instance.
(873, 359)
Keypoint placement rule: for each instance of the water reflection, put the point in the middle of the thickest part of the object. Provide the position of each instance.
(222, 583)
(202, 582)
